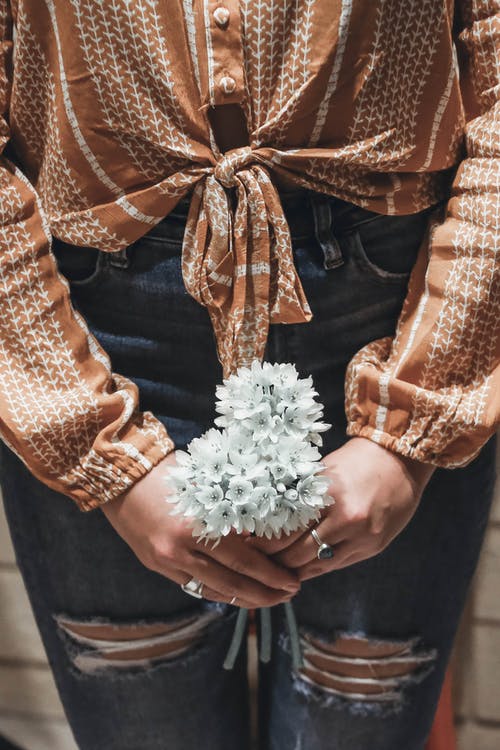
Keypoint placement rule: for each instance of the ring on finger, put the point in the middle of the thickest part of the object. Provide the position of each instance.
(325, 551)
(194, 587)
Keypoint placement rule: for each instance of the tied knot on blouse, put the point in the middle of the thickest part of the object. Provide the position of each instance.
(237, 257)
(232, 162)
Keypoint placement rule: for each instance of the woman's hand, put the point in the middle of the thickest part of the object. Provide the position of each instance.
(376, 493)
(164, 543)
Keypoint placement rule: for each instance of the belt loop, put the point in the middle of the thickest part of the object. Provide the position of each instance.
(323, 230)
(119, 258)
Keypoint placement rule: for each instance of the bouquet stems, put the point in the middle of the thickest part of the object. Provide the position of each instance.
(265, 636)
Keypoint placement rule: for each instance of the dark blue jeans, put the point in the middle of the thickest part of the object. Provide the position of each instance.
(376, 635)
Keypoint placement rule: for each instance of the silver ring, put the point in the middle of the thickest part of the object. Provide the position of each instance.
(193, 587)
(325, 551)
(233, 600)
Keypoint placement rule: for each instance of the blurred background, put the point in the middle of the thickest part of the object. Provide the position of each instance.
(32, 717)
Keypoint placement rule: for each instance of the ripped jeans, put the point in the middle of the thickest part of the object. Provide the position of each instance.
(137, 662)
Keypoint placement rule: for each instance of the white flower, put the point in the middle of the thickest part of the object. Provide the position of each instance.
(253, 403)
(260, 470)
(312, 490)
(296, 421)
(264, 497)
(241, 462)
(209, 496)
(259, 422)
(315, 438)
(221, 518)
(239, 491)
(285, 374)
(246, 513)
(282, 472)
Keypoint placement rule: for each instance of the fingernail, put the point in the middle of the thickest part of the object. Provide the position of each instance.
(293, 587)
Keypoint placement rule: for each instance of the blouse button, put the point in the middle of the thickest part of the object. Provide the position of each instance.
(221, 16)
(227, 84)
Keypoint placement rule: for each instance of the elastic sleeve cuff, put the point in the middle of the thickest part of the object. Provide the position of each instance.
(108, 470)
(390, 442)
(421, 451)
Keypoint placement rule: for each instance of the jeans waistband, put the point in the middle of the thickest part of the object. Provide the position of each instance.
(304, 210)
(308, 213)
(301, 208)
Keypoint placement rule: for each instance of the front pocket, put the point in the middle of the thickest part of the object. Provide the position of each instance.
(366, 262)
(386, 248)
(81, 266)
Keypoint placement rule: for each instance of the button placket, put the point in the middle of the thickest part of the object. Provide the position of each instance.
(225, 52)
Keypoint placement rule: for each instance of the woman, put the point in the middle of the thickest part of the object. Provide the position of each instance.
(192, 181)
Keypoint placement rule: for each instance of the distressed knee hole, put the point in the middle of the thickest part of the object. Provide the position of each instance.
(363, 668)
(98, 643)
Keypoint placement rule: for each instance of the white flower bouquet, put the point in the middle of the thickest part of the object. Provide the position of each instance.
(258, 472)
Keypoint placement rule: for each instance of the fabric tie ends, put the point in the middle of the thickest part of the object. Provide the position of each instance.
(238, 261)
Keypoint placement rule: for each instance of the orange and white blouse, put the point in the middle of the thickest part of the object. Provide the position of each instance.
(105, 127)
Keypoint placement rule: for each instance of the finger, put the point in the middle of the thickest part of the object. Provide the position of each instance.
(218, 577)
(183, 577)
(242, 558)
(345, 554)
(275, 544)
(173, 574)
(306, 547)
(215, 596)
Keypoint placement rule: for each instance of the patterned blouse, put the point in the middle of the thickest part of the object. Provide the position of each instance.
(105, 127)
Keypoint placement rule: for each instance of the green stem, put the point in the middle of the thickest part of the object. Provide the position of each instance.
(265, 634)
(297, 660)
(239, 631)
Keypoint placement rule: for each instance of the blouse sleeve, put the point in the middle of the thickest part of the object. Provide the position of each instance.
(432, 392)
(74, 423)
